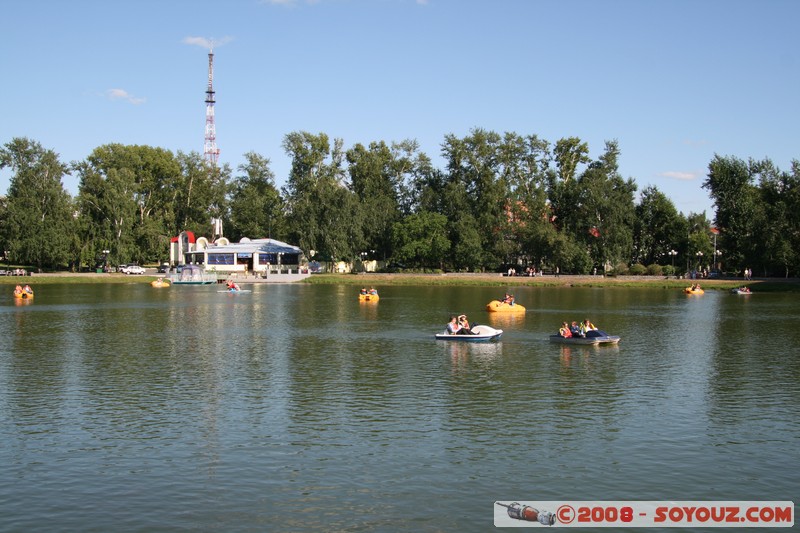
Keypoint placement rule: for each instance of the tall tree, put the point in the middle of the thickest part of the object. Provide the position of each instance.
(256, 204)
(730, 184)
(777, 223)
(474, 162)
(201, 194)
(658, 228)
(39, 212)
(525, 164)
(322, 210)
(126, 195)
(378, 188)
(564, 197)
(421, 240)
(597, 209)
(570, 152)
(409, 164)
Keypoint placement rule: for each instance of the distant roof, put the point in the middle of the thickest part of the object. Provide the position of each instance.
(268, 246)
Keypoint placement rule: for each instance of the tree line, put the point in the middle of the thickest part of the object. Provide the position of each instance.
(501, 200)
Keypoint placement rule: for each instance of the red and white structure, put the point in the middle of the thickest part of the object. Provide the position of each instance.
(210, 150)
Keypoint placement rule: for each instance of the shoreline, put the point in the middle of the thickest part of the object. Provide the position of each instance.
(566, 281)
(445, 279)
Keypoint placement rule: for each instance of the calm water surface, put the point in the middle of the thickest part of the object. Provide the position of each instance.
(297, 408)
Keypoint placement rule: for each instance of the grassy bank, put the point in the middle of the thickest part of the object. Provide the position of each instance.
(450, 279)
(498, 280)
(45, 279)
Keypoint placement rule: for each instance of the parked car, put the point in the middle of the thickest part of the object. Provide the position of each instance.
(122, 267)
(163, 268)
(133, 269)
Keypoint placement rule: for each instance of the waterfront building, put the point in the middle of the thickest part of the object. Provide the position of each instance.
(258, 258)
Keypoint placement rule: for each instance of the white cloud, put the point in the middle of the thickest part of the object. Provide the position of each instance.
(205, 42)
(681, 176)
(122, 94)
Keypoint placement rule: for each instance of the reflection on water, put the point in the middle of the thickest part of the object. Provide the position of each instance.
(127, 408)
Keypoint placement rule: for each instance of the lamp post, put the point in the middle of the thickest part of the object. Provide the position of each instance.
(699, 258)
(672, 254)
(717, 264)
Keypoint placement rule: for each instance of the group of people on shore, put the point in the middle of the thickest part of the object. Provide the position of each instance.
(575, 329)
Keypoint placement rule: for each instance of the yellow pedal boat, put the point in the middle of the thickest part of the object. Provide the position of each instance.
(496, 306)
(368, 297)
(689, 290)
(159, 283)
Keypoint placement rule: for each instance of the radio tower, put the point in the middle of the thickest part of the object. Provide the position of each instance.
(210, 150)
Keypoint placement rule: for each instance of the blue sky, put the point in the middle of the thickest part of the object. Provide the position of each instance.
(674, 82)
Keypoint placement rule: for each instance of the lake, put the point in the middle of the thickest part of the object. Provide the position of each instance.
(298, 408)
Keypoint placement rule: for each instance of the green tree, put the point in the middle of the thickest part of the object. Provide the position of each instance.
(421, 240)
(408, 166)
(564, 197)
(730, 184)
(256, 204)
(699, 250)
(107, 210)
(38, 217)
(323, 212)
(570, 152)
(526, 169)
(597, 209)
(126, 198)
(201, 193)
(777, 223)
(474, 164)
(657, 229)
(378, 187)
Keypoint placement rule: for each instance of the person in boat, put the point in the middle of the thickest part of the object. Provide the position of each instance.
(575, 329)
(18, 290)
(363, 291)
(233, 286)
(372, 291)
(452, 327)
(465, 328)
(27, 289)
(587, 325)
(508, 299)
(564, 331)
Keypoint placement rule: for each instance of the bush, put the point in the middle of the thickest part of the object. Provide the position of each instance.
(621, 269)
(638, 269)
(668, 270)
(655, 270)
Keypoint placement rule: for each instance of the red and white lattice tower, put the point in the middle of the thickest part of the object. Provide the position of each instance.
(210, 150)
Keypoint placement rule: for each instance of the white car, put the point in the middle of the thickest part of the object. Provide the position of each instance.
(133, 269)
